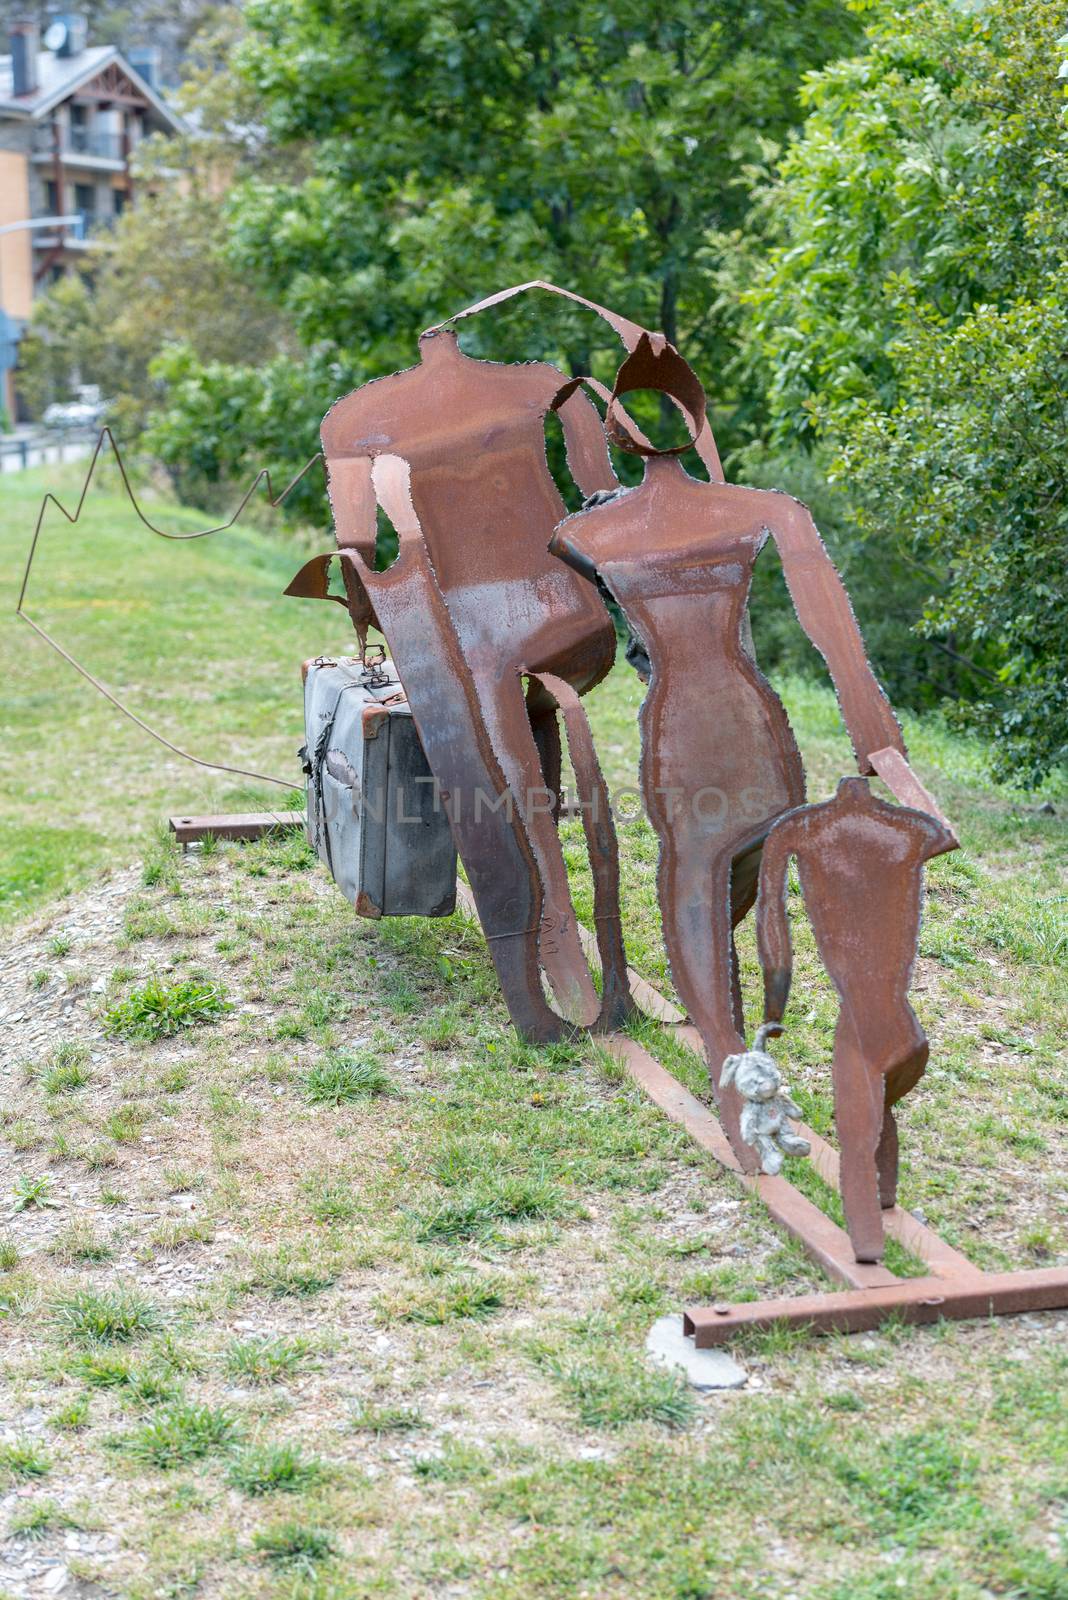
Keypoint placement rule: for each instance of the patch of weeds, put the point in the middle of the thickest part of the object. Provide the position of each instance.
(99, 1157)
(111, 1198)
(454, 1463)
(612, 1392)
(475, 1211)
(171, 1238)
(158, 1009)
(284, 1273)
(910, 1480)
(465, 1295)
(340, 1079)
(180, 1433)
(102, 1370)
(266, 1360)
(330, 1201)
(125, 1124)
(295, 1546)
(22, 1135)
(182, 1180)
(59, 945)
(106, 1316)
(67, 1069)
(40, 979)
(72, 1415)
(175, 1078)
(40, 1518)
(370, 1418)
(78, 1243)
(843, 1400)
(33, 1192)
(9, 1255)
(22, 1460)
(273, 1469)
(17, 1291)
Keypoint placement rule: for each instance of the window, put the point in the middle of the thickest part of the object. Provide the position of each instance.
(85, 199)
(52, 204)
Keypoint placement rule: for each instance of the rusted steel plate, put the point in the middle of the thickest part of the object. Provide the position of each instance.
(826, 1243)
(483, 504)
(860, 864)
(719, 761)
(233, 825)
(899, 1224)
(915, 1300)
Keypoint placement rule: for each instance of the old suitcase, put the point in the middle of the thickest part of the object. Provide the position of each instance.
(374, 813)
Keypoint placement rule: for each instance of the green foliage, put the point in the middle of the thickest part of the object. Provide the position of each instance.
(445, 152)
(181, 1433)
(294, 1546)
(106, 1316)
(271, 1469)
(157, 1008)
(914, 321)
(21, 1460)
(266, 1360)
(611, 1393)
(33, 1192)
(341, 1078)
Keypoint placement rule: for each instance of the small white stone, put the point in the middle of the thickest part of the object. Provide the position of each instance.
(704, 1369)
(55, 1580)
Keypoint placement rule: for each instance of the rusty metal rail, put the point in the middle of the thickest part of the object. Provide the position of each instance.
(952, 1288)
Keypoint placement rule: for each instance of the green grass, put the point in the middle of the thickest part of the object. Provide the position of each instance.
(341, 1079)
(266, 1360)
(274, 1469)
(498, 1236)
(210, 618)
(296, 1548)
(40, 1518)
(106, 1316)
(177, 1435)
(156, 1009)
(22, 1460)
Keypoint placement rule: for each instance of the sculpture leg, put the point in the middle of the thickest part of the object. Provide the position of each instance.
(859, 1103)
(494, 848)
(695, 906)
(904, 1075)
(500, 693)
(545, 728)
(602, 846)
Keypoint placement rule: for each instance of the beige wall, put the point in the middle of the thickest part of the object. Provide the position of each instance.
(16, 249)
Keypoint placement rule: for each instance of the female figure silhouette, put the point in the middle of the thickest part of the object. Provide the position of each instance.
(719, 759)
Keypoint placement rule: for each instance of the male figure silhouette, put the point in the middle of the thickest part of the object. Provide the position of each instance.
(478, 503)
(860, 862)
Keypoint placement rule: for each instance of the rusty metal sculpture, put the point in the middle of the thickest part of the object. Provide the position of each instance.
(719, 761)
(494, 587)
(860, 862)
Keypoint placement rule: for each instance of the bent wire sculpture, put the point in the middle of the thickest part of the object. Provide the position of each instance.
(493, 586)
(860, 862)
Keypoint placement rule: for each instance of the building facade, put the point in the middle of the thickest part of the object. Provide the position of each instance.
(71, 117)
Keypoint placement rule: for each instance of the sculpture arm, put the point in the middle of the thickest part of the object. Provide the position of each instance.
(824, 611)
(355, 507)
(773, 924)
(586, 445)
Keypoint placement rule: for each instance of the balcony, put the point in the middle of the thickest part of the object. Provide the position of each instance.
(85, 147)
(89, 231)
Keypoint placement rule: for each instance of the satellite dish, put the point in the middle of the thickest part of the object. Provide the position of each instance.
(56, 36)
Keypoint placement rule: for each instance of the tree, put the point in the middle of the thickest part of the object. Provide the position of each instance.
(448, 151)
(910, 325)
